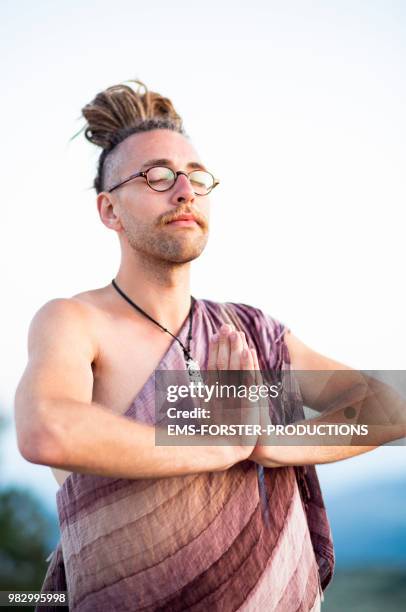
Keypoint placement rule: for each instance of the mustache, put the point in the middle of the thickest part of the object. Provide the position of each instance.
(174, 216)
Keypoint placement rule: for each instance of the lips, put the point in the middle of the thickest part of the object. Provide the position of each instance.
(185, 217)
(185, 220)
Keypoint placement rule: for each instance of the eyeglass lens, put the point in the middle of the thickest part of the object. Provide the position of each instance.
(161, 179)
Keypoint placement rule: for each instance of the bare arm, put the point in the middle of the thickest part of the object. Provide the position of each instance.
(327, 383)
(58, 424)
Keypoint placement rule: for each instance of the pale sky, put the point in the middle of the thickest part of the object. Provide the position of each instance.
(299, 109)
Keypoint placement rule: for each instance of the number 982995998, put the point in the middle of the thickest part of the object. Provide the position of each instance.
(28, 598)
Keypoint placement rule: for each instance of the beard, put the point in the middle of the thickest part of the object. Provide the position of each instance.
(163, 244)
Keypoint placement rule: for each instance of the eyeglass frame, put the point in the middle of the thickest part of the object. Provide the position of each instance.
(144, 175)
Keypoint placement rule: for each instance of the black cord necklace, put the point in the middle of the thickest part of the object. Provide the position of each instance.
(191, 364)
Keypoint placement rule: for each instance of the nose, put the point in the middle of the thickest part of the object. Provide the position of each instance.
(182, 192)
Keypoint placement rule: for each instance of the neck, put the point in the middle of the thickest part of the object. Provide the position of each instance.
(159, 288)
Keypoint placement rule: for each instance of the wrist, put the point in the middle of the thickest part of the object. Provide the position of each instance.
(233, 454)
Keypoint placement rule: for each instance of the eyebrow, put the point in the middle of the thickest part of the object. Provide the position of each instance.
(169, 162)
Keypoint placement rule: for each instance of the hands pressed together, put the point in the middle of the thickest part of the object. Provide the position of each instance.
(229, 350)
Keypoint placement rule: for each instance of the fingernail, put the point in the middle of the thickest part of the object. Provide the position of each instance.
(233, 336)
(215, 338)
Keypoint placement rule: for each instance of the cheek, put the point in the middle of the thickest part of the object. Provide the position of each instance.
(129, 219)
(203, 204)
(142, 209)
(205, 209)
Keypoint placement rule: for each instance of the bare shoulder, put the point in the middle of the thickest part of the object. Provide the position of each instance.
(73, 321)
(97, 303)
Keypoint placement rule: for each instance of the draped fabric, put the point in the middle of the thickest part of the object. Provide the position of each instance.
(249, 538)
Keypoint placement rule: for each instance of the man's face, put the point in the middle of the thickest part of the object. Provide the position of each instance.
(147, 217)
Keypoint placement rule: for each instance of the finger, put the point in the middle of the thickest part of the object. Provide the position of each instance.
(258, 377)
(235, 350)
(263, 403)
(244, 340)
(246, 362)
(223, 356)
(247, 365)
(249, 409)
(255, 358)
(213, 352)
(246, 356)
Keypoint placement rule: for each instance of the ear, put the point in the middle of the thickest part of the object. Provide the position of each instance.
(108, 210)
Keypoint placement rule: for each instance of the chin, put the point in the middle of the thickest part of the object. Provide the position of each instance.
(178, 253)
(183, 258)
(168, 251)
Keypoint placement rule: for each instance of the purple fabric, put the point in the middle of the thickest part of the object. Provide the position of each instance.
(249, 538)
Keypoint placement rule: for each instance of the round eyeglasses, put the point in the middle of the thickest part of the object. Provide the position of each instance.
(161, 178)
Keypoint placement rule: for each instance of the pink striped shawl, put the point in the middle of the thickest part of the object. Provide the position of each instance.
(249, 538)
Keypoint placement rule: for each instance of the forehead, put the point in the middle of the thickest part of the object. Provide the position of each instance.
(156, 144)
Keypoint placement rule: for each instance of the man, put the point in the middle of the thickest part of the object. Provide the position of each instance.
(153, 527)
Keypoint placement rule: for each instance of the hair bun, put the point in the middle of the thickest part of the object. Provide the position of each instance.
(121, 107)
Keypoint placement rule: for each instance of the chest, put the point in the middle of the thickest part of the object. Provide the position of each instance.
(128, 356)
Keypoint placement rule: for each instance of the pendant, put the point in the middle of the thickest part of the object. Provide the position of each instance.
(192, 365)
(193, 369)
